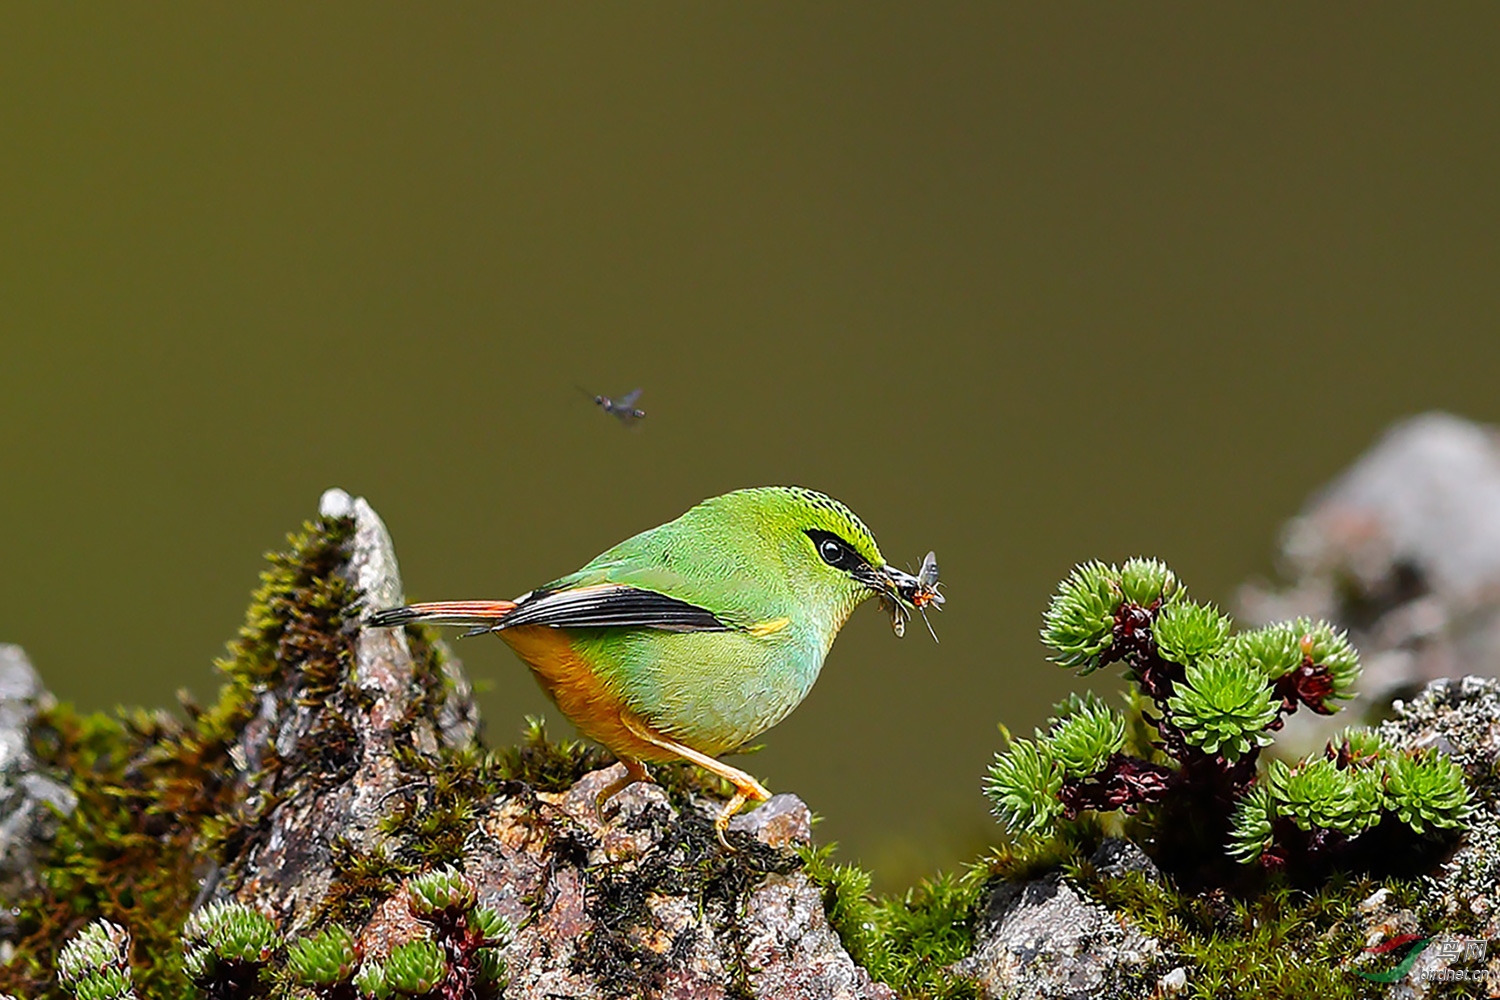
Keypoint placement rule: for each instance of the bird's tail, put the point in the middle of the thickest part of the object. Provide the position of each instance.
(479, 616)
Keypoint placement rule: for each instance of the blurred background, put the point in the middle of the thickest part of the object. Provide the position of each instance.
(1025, 286)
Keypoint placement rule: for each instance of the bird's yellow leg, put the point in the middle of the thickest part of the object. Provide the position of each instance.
(634, 771)
(746, 788)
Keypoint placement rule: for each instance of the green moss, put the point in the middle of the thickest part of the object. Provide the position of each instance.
(905, 940)
(154, 790)
(120, 855)
(361, 880)
(1283, 942)
(547, 765)
(429, 826)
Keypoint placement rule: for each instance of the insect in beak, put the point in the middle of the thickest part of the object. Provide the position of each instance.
(902, 593)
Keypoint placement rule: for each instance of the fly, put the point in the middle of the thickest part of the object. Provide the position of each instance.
(925, 591)
(914, 593)
(622, 409)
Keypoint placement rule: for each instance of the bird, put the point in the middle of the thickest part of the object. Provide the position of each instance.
(688, 640)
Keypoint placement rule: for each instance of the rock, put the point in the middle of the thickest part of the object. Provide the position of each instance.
(1463, 718)
(1045, 940)
(1403, 550)
(781, 821)
(1173, 982)
(644, 902)
(30, 802)
(318, 771)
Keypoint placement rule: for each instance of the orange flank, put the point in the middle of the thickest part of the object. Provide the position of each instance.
(578, 692)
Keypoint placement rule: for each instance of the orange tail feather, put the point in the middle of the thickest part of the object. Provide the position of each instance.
(479, 615)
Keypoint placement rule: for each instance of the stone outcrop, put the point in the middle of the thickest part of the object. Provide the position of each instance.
(30, 802)
(1403, 550)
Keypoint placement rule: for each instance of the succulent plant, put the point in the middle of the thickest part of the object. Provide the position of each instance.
(1329, 648)
(1425, 790)
(416, 967)
(227, 940)
(95, 963)
(1224, 706)
(1079, 623)
(491, 966)
(1250, 828)
(1317, 794)
(1083, 740)
(107, 984)
(370, 981)
(1358, 746)
(492, 927)
(1186, 632)
(1023, 784)
(326, 959)
(1203, 701)
(443, 890)
(1273, 650)
(1147, 581)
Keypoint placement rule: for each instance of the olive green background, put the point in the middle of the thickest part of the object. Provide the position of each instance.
(1026, 285)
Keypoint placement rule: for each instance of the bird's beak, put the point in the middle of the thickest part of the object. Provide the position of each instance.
(890, 584)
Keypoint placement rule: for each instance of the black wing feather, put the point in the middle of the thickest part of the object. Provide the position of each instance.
(612, 607)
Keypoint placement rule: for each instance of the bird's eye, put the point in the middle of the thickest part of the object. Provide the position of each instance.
(834, 550)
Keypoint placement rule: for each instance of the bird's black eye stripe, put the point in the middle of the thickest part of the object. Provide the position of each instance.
(835, 551)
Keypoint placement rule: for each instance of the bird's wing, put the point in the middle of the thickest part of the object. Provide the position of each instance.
(611, 606)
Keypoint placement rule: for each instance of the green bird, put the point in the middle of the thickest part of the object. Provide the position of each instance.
(689, 640)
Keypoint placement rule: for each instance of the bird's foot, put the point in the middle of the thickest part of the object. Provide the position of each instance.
(634, 771)
(746, 789)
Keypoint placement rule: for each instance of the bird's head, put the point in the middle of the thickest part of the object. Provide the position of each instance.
(827, 550)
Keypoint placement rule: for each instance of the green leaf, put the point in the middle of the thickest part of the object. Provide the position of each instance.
(492, 927)
(1360, 746)
(1186, 632)
(1329, 647)
(444, 890)
(1316, 793)
(370, 981)
(1250, 827)
(105, 984)
(1272, 650)
(100, 945)
(1022, 786)
(1224, 707)
(491, 966)
(416, 967)
(1146, 581)
(1084, 740)
(1426, 789)
(1079, 623)
(326, 959)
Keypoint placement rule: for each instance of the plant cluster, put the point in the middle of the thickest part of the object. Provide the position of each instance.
(325, 963)
(226, 947)
(95, 964)
(460, 957)
(1210, 700)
